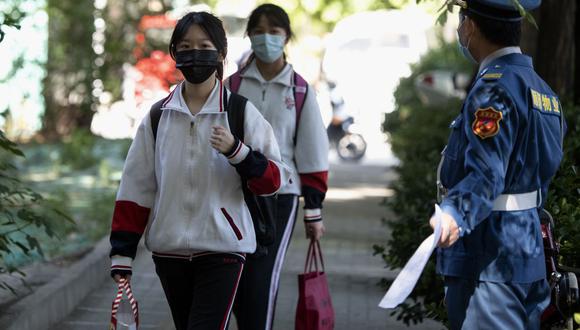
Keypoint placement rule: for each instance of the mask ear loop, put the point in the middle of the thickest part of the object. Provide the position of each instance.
(468, 39)
(461, 22)
(221, 82)
(468, 42)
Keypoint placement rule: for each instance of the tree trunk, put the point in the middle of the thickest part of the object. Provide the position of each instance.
(555, 60)
(67, 87)
(529, 42)
(577, 57)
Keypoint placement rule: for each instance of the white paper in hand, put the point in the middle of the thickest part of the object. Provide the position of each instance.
(409, 275)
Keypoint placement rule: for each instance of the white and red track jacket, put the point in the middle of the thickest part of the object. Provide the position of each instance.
(308, 155)
(183, 194)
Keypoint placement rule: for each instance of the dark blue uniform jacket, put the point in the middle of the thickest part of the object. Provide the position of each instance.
(511, 146)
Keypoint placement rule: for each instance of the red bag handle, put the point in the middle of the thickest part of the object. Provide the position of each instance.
(125, 286)
(312, 256)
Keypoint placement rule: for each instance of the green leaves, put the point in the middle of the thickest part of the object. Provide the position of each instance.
(417, 134)
(25, 215)
(443, 11)
(10, 18)
(524, 13)
(22, 247)
(564, 195)
(442, 18)
(448, 6)
(9, 145)
(33, 243)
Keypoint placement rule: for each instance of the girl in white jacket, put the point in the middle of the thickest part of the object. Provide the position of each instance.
(290, 106)
(181, 184)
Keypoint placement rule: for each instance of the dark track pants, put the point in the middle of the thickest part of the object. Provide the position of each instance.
(256, 299)
(200, 292)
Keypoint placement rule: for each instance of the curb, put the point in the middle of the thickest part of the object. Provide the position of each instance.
(52, 302)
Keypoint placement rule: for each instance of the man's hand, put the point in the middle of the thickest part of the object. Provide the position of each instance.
(221, 139)
(449, 230)
(314, 230)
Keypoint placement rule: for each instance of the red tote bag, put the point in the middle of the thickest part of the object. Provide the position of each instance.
(314, 310)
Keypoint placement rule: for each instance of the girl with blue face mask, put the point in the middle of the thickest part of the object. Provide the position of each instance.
(289, 105)
(269, 34)
(268, 46)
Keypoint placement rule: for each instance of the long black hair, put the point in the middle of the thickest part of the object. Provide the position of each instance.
(212, 25)
(275, 15)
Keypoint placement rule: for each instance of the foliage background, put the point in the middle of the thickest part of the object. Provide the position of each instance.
(418, 134)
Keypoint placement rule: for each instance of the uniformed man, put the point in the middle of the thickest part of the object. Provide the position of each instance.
(504, 148)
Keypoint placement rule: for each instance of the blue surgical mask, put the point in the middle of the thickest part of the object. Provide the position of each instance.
(465, 49)
(268, 47)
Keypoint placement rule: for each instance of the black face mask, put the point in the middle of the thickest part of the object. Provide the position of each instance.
(197, 65)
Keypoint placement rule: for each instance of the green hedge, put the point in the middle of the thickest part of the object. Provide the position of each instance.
(564, 195)
(417, 134)
(25, 215)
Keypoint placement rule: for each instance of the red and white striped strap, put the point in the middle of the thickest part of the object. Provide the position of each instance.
(125, 286)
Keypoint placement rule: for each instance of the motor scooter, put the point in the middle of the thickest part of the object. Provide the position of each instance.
(564, 308)
(343, 134)
(344, 138)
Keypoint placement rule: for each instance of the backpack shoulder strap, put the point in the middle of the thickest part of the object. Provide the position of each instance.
(236, 107)
(155, 116)
(300, 88)
(235, 81)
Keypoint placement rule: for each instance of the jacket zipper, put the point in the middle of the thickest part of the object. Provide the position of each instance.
(232, 224)
(192, 135)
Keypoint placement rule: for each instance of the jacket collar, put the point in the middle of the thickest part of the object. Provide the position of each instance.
(514, 59)
(284, 77)
(176, 102)
(507, 59)
(497, 54)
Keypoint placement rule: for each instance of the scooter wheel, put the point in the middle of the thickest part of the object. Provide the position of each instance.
(351, 147)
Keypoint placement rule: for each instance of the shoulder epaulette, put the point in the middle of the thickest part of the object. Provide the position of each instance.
(492, 73)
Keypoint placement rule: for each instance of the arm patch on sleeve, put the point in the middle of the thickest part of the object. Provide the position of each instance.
(486, 123)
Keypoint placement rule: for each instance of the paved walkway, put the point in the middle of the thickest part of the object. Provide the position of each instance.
(352, 216)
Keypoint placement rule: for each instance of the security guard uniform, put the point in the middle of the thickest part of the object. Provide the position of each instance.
(503, 150)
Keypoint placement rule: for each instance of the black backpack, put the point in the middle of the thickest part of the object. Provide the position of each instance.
(262, 208)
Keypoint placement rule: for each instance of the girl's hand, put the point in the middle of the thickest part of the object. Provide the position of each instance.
(117, 278)
(221, 139)
(314, 230)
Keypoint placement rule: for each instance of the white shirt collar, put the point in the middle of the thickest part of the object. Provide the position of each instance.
(497, 54)
(212, 104)
(284, 77)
